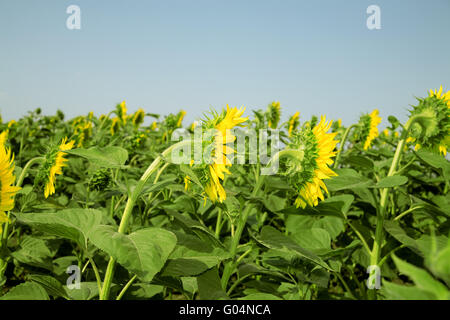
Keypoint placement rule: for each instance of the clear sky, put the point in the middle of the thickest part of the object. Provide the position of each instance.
(316, 57)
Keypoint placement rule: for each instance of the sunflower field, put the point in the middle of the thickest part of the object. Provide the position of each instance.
(101, 207)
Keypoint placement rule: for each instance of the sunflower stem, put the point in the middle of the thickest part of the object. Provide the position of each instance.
(230, 266)
(381, 213)
(341, 145)
(109, 275)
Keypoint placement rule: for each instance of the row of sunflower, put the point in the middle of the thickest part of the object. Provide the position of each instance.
(347, 207)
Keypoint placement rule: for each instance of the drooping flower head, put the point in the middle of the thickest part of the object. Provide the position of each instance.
(432, 128)
(138, 117)
(306, 170)
(7, 179)
(121, 112)
(180, 116)
(214, 167)
(293, 123)
(115, 125)
(52, 165)
(368, 128)
(273, 114)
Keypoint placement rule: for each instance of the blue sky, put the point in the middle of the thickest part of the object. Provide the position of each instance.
(316, 57)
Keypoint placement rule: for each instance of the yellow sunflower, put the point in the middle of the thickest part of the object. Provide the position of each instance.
(53, 164)
(138, 117)
(432, 130)
(217, 170)
(439, 95)
(368, 130)
(293, 123)
(273, 114)
(307, 172)
(181, 115)
(7, 179)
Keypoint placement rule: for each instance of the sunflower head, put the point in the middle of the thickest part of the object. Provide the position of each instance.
(308, 161)
(121, 111)
(273, 114)
(7, 179)
(180, 117)
(115, 125)
(100, 180)
(52, 165)
(431, 130)
(138, 117)
(293, 123)
(367, 130)
(212, 172)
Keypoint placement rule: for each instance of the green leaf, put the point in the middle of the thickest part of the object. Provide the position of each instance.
(26, 291)
(107, 157)
(336, 206)
(35, 252)
(209, 286)
(260, 296)
(313, 239)
(50, 284)
(87, 291)
(422, 279)
(436, 161)
(360, 161)
(73, 224)
(390, 182)
(193, 256)
(143, 252)
(347, 179)
(394, 291)
(394, 229)
(273, 239)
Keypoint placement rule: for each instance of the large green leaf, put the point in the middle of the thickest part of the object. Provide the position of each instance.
(26, 291)
(35, 252)
(390, 182)
(193, 256)
(336, 206)
(143, 252)
(274, 239)
(209, 286)
(394, 229)
(394, 291)
(73, 224)
(347, 179)
(107, 157)
(422, 279)
(50, 284)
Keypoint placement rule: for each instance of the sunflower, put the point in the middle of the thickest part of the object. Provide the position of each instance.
(216, 171)
(438, 94)
(293, 123)
(3, 137)
(368, 129)
(115, 125)
(306, 173)
(7, 179)
(180, 116)
(54, 161)
(273, 114)
(432, 128)
(121, 111)
(138, 117)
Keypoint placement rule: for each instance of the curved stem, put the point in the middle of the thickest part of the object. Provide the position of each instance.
(341, 145)
(128, 210)
(129, 283)
(26, 168)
